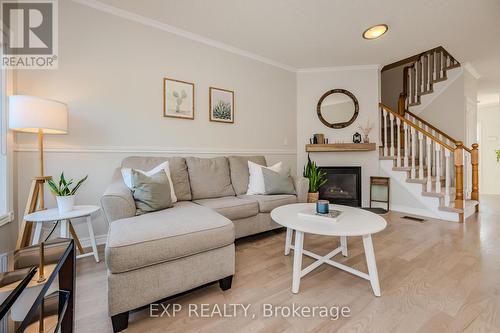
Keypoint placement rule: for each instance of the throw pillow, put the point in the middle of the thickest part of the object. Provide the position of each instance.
(256, 178)
(151, 193)
(127, 177)
(277, 182)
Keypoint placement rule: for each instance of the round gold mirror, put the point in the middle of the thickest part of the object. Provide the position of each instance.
(338, 108)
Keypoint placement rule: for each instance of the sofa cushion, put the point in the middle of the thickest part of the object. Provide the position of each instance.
(268, 202)
(180, 231)
(209, 177)
(151, 193)
(178, 171)
(239, 171)
(231, 207)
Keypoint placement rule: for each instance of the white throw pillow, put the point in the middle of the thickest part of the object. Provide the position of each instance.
(256, 179)
(127, 176)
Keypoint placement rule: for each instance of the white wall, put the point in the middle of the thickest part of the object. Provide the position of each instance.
(392, 85)
(446, 111)
(110, 74)
(489, 168)
(364, 84)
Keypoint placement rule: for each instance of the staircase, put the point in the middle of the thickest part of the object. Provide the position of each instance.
(433, 174)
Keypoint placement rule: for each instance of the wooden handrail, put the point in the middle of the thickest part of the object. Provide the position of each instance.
(418, 129)
(411, 60)
(437, 130)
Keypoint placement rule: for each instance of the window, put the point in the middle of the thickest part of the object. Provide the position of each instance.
(5, 183)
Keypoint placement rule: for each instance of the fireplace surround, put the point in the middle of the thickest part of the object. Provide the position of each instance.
(343, 186)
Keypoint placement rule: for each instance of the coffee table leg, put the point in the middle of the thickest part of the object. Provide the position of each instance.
(297, 260)
(343, 243)
(371, 263)
(288, 240)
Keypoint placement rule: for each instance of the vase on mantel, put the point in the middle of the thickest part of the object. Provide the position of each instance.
(366, 139)
(312, 197)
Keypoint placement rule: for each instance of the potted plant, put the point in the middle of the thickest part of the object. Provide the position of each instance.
(316, 179)
(65, 195)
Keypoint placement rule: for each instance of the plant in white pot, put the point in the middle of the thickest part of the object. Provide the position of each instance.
(65, 195)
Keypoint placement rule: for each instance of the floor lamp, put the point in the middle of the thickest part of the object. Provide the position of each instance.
(41, 116)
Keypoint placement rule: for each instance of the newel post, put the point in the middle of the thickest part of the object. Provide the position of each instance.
(459, 177)
(475, 173)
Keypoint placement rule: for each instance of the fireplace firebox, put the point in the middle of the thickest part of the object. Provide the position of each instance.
(343, 185)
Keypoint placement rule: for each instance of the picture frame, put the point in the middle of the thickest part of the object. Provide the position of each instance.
(221, 105)
(178, 99)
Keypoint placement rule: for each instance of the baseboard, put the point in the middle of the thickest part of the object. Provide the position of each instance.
(450, 217)
(99, 239)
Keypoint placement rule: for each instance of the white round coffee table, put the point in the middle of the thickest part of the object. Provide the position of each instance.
(352, 222)
(53, 215)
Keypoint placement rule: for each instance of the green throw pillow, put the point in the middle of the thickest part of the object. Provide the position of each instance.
(151, 193)
(277, 182)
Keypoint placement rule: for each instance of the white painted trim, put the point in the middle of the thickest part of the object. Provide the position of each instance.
(6, 218)
(451, 217)
(468, 66)
(339, 68)
(152, 150)
(180, 32)
(485, 105)
(99, 240)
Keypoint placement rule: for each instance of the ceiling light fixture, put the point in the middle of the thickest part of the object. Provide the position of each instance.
(375, 32)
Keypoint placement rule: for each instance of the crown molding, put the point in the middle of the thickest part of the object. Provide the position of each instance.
(180, 32)
(339, 68)
(153, 150)
(468, 66)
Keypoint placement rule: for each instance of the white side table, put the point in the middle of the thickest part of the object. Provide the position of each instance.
(352, 222)
(53, 215)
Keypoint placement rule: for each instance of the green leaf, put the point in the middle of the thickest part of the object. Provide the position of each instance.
(78, 185)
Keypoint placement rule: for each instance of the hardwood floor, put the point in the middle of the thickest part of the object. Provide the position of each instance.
(435, 276)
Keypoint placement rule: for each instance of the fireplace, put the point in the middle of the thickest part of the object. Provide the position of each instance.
(343, 186)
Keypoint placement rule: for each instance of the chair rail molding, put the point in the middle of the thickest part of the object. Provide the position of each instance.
(152, 150)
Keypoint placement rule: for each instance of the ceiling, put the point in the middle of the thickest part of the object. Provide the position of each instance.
(324, 33)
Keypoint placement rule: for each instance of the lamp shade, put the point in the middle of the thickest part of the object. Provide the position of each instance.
(33, 114)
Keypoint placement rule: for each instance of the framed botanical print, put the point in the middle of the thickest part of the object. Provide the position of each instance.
(221, 105)
(178, 99)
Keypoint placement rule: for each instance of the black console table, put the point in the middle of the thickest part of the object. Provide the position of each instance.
(26, 304)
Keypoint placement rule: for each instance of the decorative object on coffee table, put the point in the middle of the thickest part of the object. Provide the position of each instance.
(178, 99)
(65, 195)
(316, 179)
(65, 220)
(351, 222)
(221, 105)
(42, 116)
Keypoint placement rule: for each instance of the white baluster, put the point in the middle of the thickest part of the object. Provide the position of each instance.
(398, 136)
(420, 156)
(438, 168)
(429, 167)
(433, 157)
(406, 138)
(447, 177)
(386, 146)
(413, 152)
(391, 129)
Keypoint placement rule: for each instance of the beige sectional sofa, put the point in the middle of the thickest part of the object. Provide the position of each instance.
(154, 256)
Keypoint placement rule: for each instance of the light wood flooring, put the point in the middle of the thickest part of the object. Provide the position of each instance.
(435, 276)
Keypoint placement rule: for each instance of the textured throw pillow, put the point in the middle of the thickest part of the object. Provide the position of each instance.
(277, 182)
(151, 193)
(127, 176)
(256, 178)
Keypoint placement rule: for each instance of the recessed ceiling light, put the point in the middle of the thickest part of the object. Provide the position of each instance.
(375, 32)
